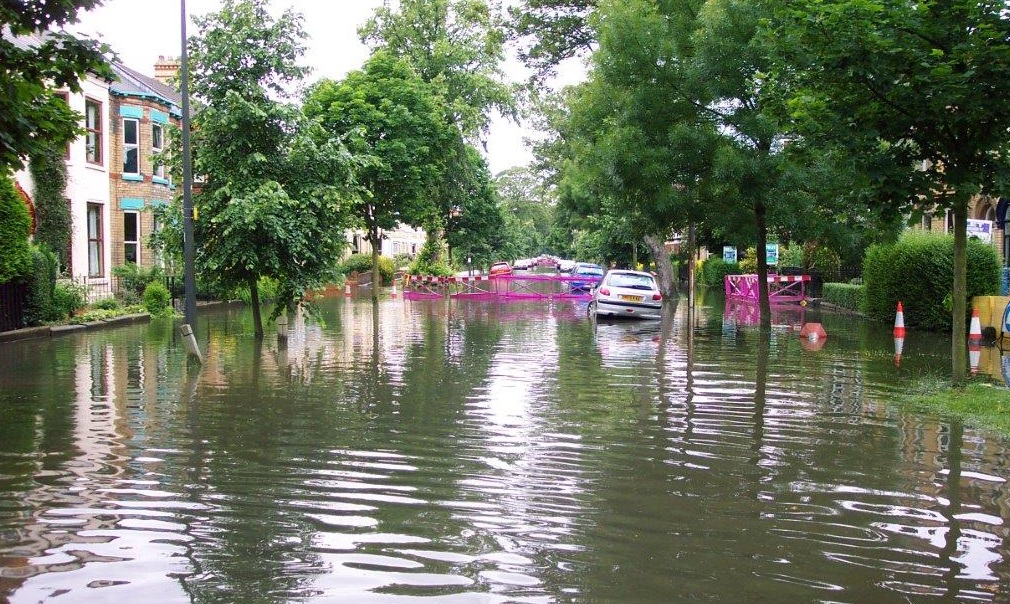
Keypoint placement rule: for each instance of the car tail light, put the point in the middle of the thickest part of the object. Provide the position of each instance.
(604, 291)
(657, 296)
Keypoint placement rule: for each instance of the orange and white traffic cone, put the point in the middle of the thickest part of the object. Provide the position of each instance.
(974, 341)
(394, 289)
(899, 322)
(347, 289)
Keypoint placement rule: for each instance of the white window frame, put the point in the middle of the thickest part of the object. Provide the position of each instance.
(133, 146)
(157, 145)
(128, 243)
(93, 112)
(96, 241)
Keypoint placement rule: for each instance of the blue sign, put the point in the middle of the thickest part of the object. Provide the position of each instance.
(772, 253)
(729, 254)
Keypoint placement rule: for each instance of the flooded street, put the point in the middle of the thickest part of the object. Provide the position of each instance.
(465, 451)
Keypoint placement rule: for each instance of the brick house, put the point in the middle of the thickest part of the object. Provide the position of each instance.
(142, 111)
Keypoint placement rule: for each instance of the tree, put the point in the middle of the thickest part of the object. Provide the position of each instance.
(388, 113)
(915, 91)
(456, 46)
(528, 210)
(552, 31)
(275, 191)
(31, 117)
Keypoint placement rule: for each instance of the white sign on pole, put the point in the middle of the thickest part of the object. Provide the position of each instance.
(729, 254)
(981, 229)
(772, 254)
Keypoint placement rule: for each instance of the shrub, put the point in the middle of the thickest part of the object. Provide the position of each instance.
(157, 299)
(15, 226)
(844, 295)
(133, 280)
(714, 269)
(749, 263)
(362, 263)
(40, 306)
(107, 304)
(918, 270)
(68, 297)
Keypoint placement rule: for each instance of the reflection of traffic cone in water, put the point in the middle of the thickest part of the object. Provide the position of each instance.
(899, 344)
(899, 322)
(974, 341)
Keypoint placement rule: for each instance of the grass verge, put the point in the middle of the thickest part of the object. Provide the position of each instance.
(979, 402)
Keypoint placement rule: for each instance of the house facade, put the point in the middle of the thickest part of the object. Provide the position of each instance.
(88, 161)
(142, 110)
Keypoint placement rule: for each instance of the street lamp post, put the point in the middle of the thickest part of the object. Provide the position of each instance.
(188, 247)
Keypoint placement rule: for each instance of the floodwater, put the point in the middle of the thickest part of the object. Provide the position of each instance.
(485, 452)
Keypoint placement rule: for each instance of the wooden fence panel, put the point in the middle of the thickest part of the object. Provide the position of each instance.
(13, 296)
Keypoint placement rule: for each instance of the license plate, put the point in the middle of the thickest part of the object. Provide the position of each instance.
(631, 298)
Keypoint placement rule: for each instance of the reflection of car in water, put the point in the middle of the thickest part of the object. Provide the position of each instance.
(622, 341)
(592, 272)
(624, 293)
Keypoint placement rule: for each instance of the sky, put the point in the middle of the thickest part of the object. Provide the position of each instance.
(142, 30)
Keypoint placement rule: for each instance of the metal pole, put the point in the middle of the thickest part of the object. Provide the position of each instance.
(189, 249)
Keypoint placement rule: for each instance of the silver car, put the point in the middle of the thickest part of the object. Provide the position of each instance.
(623, 293)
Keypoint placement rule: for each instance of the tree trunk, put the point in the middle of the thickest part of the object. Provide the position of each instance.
(664, 267)
(254, 301)
(762, 263)
(373, 238)
(959, 293)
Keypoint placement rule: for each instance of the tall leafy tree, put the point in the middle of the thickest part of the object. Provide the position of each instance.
(550, 32)
(456, 46)
(917, 91)
(387, 112)
(273, 200)
(528, 209)
(31, 117)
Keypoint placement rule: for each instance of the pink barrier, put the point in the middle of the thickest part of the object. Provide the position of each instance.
(781, 288)
(515, 286)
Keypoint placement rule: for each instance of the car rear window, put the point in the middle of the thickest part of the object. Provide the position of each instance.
(632, 281)
(589, 270)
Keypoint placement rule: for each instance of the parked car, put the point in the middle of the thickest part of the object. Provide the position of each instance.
(592, 273)
(566, 266)
(500, 268)
(624, 293)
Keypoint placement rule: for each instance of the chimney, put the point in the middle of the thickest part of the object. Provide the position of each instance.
(166, 70)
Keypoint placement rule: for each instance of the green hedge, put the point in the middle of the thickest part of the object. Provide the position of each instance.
(362, 263)
(15, 226)
(918, 270)
(714, 269)
(845, 295)
(41, 305)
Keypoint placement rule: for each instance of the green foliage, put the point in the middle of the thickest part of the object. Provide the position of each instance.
(918, 271)
(157, 299)
(15, 226)
(791, 256)
(133, 279)
(32, 118)
(427, 261)
(714, 270)
(845, 295)
(748, 262)
(53, 223)
(107, 304)
(68, 298)
(278, 188)
(402, 260)
(362, 263)
(41, 305)
(266, 289)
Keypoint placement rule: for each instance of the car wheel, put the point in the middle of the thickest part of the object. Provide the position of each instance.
(591, 309)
